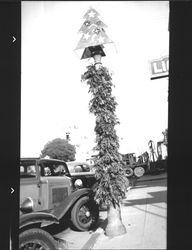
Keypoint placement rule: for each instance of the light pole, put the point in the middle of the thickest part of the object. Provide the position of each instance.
(112, 182)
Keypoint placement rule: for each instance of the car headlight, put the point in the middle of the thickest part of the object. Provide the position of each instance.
(78, 183)
(27, 205)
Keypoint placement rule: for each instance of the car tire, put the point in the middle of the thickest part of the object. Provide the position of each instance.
(37, 238)
(139, 171)
(129, 172)
(84, 214)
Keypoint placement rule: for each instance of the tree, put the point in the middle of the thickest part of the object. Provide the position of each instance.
(59, 149)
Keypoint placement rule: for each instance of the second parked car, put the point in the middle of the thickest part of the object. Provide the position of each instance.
(82, 174)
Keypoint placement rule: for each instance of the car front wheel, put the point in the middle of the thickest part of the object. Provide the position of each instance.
(84, 214)
(37, 239)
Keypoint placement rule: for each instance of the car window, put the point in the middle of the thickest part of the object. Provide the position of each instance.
(53, 169)
(27, 171)
(71, 169)
(46, 171)
(86, 168)
(78, 168)
(59, 170)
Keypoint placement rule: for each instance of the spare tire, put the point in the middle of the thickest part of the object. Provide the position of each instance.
(129, 172)
(139, 171)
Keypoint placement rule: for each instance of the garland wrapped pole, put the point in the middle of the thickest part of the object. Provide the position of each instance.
(112, 182)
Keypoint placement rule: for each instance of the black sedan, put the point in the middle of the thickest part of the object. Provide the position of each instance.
(82, 174)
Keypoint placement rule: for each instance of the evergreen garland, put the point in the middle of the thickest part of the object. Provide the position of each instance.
(112, 182)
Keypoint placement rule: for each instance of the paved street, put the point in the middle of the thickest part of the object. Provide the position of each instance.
(144, 216)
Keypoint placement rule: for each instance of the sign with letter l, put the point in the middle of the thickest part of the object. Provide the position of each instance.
(159, 68)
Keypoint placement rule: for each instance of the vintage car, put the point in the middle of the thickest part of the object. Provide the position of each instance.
(33, 233)
(82, 174)
(134, 167)
(46, 183)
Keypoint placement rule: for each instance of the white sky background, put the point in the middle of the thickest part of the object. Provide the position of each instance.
(54, 100)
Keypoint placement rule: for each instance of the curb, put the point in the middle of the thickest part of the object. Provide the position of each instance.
(92, 240)
(152, 179)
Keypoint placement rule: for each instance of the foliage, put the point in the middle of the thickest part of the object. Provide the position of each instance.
(59, 149)
(110, 174)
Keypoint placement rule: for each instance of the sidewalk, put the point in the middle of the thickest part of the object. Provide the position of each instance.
(143, 213)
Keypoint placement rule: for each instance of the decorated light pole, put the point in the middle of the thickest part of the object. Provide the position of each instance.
(112, 182)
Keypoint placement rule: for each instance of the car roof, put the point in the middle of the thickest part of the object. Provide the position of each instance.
(74, 163)
(29, 158)
(41, 159)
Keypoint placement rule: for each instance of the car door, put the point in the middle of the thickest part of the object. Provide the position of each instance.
(54, 185)
(29, 182)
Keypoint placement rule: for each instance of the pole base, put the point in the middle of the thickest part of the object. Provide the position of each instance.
(113, 231)
(115, 226)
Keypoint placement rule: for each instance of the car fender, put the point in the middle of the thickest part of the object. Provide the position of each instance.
(37, 217)
(62, 209)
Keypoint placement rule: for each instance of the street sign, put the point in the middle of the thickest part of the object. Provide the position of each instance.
(159, 68)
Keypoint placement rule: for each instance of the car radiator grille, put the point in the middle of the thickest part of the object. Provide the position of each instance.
(59, 194)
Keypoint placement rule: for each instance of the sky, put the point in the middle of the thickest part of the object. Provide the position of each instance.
(53, 98)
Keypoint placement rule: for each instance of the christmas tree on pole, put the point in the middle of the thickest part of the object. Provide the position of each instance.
(93, 35)
(112, 182)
